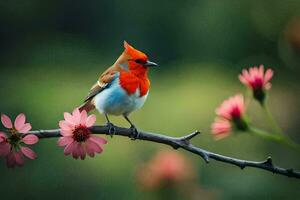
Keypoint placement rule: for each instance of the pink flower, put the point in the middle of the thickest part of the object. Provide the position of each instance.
(230, 112)
(232, 108)
(257, 80)
(4, 145)
(77, 138)
(10, 146)
(165, 168)
(221, 128)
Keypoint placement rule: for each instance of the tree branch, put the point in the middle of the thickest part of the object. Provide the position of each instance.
(184, 143)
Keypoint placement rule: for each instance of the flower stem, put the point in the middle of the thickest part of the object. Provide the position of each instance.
(264, 134)
(285, 139)
(271, 119)
(282, 139)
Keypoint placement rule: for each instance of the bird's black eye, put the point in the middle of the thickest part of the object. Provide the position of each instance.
(140, 61)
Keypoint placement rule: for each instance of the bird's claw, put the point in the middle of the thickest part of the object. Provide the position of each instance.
(111, 129)
(134, 133)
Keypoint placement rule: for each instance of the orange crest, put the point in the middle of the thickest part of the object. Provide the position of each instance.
(134, 53)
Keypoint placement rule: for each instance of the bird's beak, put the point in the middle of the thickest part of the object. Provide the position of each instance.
(150, 64)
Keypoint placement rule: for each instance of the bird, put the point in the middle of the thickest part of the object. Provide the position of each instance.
(122, 88)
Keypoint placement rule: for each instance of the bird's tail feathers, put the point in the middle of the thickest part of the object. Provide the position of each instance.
(87, 106)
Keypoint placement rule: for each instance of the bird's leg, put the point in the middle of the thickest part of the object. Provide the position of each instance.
(135, 134)
(111, 126)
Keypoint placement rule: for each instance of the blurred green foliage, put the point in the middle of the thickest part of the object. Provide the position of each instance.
(51, 52)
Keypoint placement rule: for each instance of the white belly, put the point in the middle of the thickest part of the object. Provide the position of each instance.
(114, 100)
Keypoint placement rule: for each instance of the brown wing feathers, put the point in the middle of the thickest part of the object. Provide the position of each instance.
(105, 78)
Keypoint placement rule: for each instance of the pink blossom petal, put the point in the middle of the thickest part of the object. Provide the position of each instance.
(81, 152)
(99, 140)
(83, 117)
(4, 149)
(69, 118)
(76, 112)
(76, 150)
(28, 153)
(69, 148)
(20, 121)
(65, 125)
(224, 110)
(239, 101)
(243, 80)
(76, 115)
(246, 75)
(3, 135)
(89, 150)
(66, 133)
(252, 71)
(6, 121)
(66, 128)
(10, 160)
(91, 120)
(221, 128)
(95, 147)
(63, 141)
(261, 71)
(268, 75)
(19, 159)
(25, 129)
(30, 139)
(268, 86)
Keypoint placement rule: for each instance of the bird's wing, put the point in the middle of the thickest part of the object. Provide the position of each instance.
(105, 78)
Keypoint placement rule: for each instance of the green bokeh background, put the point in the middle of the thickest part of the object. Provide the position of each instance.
(51, 52)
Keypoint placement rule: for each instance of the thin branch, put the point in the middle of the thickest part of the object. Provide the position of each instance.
(184, 143)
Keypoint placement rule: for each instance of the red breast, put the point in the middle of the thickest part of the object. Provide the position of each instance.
(130, 82)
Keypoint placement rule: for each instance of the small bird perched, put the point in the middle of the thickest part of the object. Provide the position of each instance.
(122, 88)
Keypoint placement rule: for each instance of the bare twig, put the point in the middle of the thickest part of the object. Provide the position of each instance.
(184, 143)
